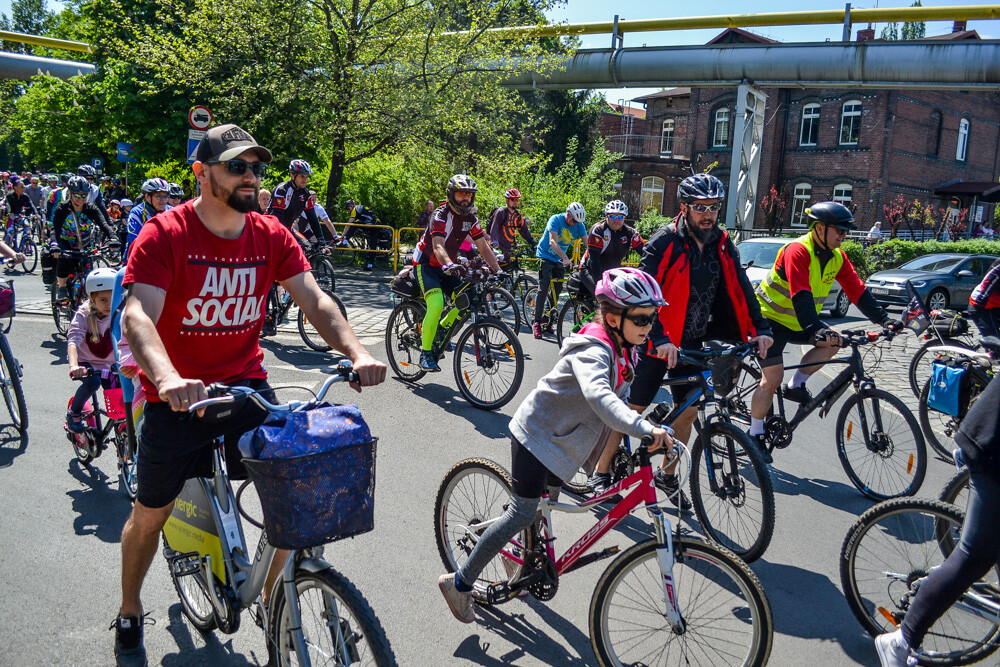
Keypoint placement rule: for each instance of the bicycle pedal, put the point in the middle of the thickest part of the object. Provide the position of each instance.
(183, 565)
(497, 592)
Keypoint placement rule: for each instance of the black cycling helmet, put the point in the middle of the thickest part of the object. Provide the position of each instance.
(78, 185)
(462, 183)
(86, 170)
(300, 167)
(831, 213)
(175, 190)
(350, 203)
(700, 186)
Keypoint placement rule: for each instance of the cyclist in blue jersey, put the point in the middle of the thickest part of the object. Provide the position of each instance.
(154, 200)
(560, 231)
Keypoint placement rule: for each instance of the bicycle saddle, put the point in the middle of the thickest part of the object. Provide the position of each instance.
(991, 344)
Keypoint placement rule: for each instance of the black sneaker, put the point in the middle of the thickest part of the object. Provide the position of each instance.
(429, 363)
(268, 329)
(796, 394)
(129, 651)
(599, 482)
(765, 454)
(670, 486)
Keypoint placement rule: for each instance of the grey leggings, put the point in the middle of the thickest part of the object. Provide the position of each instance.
(978, 551)
(530, 479)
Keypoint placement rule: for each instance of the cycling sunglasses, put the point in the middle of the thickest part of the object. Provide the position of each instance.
(239, 167)
(702, 208)
(616, 216)
(641, 320)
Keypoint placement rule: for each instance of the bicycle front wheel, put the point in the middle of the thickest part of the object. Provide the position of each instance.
(738, 400)
(323, 272)
(880, 445)
(10, 383)
(308, 332)
(338, 625)
(528, 305)
(500, 304)
(521, 287)
(731, 491)
(62, 309)
(885, 555)
(726, 614)
(30, 256)
(403, 340)
(489, 364)
(127, 460)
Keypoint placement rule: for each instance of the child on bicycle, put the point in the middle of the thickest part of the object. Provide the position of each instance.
(89, 344)
(561, 424)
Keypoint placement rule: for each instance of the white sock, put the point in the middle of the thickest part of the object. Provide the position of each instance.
(756, 426)
(798, 380)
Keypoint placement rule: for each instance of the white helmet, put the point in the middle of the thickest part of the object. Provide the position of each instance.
(616, 206)
(577, 212)
(100, 280)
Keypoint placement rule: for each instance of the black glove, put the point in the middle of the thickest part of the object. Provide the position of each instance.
(822, 334)
(893, 325)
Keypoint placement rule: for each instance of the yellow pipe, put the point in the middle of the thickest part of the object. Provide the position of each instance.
(48, 42)
(826, 16)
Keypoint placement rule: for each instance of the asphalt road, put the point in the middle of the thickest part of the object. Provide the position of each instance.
(61, 524)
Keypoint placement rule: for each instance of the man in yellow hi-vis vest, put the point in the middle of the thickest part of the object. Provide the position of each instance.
(791, 297)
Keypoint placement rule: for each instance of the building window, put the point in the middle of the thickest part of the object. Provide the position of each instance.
(652, 195)
(720, 137)
(963, 140)
(809, 133)
(800, 202)
(843, 194)
(934, 134)
(850, 123)
(667, 138)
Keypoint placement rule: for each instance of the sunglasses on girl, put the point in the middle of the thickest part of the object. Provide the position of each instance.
(702, 208)
(641, 320)
(239, 167)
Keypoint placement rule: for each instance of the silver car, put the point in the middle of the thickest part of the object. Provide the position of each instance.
(758, 256)
(943, 280)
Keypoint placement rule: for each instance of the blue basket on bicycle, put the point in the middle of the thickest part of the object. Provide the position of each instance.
(319, 486)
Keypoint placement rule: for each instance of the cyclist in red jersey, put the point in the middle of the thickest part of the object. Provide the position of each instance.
(507, 222)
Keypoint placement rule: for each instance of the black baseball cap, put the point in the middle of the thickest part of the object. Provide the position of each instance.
(225, 142)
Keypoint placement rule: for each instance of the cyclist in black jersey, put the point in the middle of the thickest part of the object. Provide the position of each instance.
(17, 202)
(291, 199)
(364, 216)
(610, 241)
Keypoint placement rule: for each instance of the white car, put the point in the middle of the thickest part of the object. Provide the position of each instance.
(758, 255)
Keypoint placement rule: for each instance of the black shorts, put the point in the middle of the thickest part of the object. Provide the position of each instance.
(782, 335)
(649, 374)
(177, 446)
(431, 277)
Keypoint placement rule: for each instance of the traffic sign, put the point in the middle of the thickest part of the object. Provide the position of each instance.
(125, 152)
(194, 138)
(98, 164)
(200, 118)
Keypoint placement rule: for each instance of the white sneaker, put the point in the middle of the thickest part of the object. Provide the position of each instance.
(893, 651)
(460, 603)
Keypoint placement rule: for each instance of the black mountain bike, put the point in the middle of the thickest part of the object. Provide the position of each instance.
(63, 309)
(279, 302)
(878, 439)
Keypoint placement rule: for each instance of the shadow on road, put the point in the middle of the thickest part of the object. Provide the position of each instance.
(213, 652)
(57, 349)
(100, 507)
(437, 391)
(535, 642)
(12, 444)
(832, 494)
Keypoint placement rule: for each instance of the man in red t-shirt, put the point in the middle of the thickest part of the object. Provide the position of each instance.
(197, 280)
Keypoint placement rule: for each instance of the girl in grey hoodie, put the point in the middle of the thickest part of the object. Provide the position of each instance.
(568, 415)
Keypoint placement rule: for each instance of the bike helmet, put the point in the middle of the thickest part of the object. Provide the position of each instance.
(627, 287)
(86, 170)
(462, 183)
(100, 280)
(175, 190)
(350, 203)
(831, 213)
(616, 206)
(114, 202)
(16, 180)
(127, 202)
(78, 185)
(155, 185)
(300, 167)
(512, 193)
(577, 212)
(700, 186)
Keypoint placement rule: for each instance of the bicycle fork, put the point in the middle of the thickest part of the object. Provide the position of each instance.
(665, 557)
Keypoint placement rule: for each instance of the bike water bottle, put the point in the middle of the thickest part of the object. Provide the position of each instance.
(449, 317)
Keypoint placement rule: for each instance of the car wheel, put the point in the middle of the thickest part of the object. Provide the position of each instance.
(937, 300)
(843, 303)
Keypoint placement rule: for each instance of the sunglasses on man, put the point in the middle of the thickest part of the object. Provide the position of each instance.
(615, 216)
(703, 208)
(239, 167)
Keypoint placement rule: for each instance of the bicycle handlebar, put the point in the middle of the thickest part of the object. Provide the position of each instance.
(220, 393)
(855, 337)
(93, 372)
(699, 357)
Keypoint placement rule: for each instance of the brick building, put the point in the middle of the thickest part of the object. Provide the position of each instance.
(862, 147)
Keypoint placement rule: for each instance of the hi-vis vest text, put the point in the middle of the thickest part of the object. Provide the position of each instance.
(774, 293)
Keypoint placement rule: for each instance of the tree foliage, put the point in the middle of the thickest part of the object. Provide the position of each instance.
(909, 30)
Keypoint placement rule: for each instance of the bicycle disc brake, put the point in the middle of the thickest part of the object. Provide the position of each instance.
(777, 433)
(545, 587)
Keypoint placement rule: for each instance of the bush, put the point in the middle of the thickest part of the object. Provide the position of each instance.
(650, 222)
(856, 254)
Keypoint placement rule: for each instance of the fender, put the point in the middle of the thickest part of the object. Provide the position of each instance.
(983, 360)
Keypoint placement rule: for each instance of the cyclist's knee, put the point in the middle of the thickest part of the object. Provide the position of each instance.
(522, 511)
(771, 376)
(149, 520)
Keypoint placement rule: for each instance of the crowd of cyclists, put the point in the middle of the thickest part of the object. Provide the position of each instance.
(689, 288)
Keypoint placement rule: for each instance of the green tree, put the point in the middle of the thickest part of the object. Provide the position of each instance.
(910, 29)
(29, 17)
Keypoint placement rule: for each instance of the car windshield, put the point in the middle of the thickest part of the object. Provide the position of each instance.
(932, 263)
(761, 254)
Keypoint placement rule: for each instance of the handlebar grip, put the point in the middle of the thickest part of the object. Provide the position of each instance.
(217, 390)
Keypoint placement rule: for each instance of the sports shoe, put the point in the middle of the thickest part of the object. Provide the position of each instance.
(269, 328)
(599, 482)
(765, 453)
(460, 603)
(74, 422)
(62, 294)
(670, 486)
(796, 394)
(429, 363)
(536, 330)
(893, 651)
(129, 651)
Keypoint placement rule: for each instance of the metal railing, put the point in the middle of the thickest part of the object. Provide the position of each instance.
(638, 145)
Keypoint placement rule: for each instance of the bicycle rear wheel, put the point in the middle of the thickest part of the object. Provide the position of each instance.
(489, 364)
(731, 491)
(403, 340)
(893, 546)
(10, 383)
(890, 460)
(308, 332)
(920, 364)
(726, 613)
(127, 460)
(574, 313)
(956, 490)
(342, 255)
(338, 625)
(939, 428)
(521, 287)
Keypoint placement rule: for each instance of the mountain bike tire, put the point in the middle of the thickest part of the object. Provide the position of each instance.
(488, 364)
(10, 384)
(956, 490)
(308, 332)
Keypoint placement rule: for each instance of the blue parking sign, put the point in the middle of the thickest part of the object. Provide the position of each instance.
(98, 164)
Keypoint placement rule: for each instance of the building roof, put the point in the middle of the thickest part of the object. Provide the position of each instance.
(740, 36)
(958, 34)
(986, 191)
(670, 92)
(627, 110)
